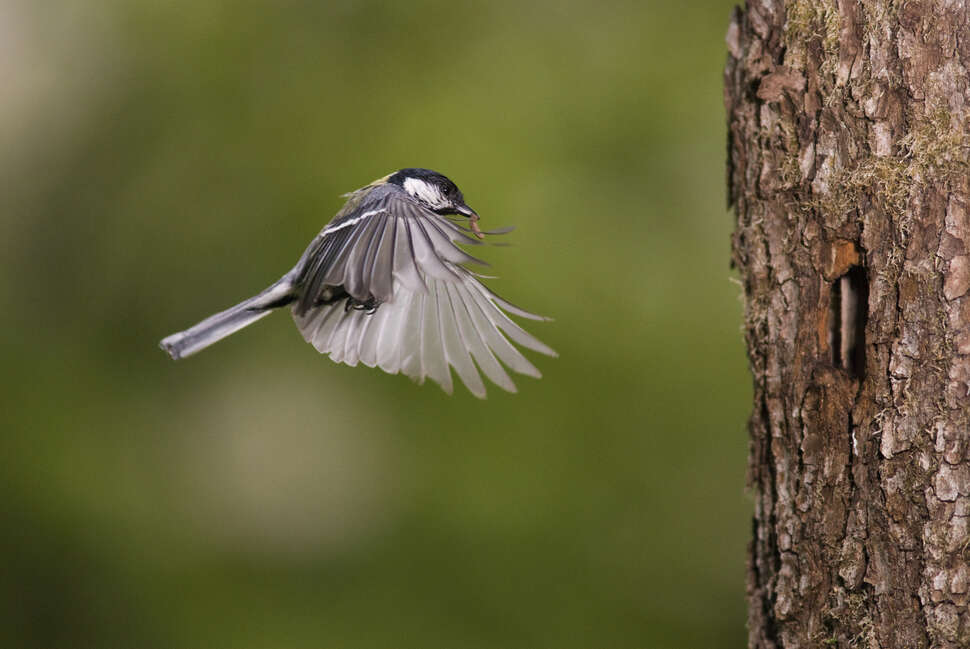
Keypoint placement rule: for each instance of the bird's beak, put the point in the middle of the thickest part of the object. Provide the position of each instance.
(472, 219)
(467, 211)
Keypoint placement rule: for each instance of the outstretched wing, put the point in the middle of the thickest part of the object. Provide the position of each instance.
(433, 314)
(423, 333)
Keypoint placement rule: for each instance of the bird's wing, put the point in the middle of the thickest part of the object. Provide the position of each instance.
(433, 314)
(450, 322)
(379, 244)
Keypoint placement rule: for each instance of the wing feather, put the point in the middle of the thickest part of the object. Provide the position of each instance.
(433, 358)
(321, 325)
(381, 264)
(389, 343)
(412, 363)
(319, 257)
(455, 351)
(508, 326)
(496, 342)
(355, 325)
(475, 343)
(346, 269)
(338, 340)
(444, 245)
(428, 259)
(405, 266)
(369, 342)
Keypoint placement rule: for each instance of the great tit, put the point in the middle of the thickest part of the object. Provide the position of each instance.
(384, 284)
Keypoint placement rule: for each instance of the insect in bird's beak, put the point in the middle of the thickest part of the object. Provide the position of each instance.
(472, 219)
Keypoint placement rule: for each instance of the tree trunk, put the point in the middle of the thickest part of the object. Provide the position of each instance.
(848, 171)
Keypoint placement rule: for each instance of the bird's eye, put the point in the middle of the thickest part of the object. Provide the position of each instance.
(448, 190)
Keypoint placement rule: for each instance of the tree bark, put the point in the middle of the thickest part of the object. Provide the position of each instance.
(848, 172)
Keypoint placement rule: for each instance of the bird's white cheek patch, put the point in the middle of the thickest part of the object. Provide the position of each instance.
(422, 191)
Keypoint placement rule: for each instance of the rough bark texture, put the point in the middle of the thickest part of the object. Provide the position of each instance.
(848, 146)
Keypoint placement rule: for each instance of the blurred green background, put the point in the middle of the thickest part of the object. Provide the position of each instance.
(160, 161)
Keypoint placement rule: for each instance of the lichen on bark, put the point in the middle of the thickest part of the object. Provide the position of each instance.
(849, 147)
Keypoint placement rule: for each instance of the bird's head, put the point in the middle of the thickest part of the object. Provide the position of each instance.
(432, 190)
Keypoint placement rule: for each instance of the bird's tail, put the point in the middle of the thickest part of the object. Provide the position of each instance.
(216, 327)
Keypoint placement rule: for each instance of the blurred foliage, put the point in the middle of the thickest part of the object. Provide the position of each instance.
(162, 160)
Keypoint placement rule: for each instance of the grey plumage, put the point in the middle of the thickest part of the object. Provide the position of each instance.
(216, 327)
(385, 284)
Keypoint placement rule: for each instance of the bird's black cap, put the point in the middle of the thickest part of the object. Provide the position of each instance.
(426, 175)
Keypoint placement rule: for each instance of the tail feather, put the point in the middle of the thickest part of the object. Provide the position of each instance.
(216, 327)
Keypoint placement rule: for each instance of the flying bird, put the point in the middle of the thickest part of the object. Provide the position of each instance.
(385, 284)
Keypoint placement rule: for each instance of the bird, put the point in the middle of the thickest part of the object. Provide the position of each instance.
(385, 284)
